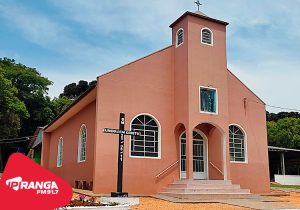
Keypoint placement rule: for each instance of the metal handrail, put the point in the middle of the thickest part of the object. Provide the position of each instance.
(165, 170)
(216, 168)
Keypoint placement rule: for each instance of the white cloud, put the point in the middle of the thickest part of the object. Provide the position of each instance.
(145, 19)
(276, 88)
(62, 79)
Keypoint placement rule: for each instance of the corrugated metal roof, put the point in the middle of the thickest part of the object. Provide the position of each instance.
(271, 148)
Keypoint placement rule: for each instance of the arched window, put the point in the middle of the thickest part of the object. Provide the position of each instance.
(179, 37)
(207, 36)
(60, 152)
(148, 144)
(82, 144)
(237, 144)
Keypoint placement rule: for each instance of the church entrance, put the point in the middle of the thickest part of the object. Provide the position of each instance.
(199, 155)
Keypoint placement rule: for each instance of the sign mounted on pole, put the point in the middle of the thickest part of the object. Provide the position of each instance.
(121, 132)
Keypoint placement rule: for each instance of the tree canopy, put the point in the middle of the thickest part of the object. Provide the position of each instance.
(73, 90)
(275, 117)
(24, 101)
(12, 109)
(284, 133)
(32, 90)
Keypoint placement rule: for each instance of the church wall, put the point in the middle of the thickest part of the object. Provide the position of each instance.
(215, 154)
(144, 86)
(251, 116)
(71, 170)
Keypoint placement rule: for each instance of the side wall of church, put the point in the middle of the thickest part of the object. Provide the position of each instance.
(250, 114)
(71, 169)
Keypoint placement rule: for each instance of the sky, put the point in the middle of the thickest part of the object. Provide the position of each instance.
(72, 40)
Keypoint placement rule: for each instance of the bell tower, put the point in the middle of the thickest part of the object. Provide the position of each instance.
(200, 77)
(199, 61)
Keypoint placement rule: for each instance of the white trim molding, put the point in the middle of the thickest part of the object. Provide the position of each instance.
(159, 137)
(225, 169)
(245, 144)
(176, 44)
(60, 149)
(80, 144)
(181, 175)
(217, 100)
(211, 37)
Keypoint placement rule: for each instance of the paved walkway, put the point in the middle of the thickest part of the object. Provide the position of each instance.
(254, 204)
(257, 202)
(285, 189)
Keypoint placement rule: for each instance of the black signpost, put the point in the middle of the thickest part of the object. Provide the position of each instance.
(121, 133)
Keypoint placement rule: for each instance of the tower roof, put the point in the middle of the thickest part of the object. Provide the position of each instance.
(198, 14)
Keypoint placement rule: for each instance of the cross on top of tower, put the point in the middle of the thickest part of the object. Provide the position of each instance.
(198, 4)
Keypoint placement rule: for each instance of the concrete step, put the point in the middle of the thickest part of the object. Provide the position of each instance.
(204, 190)
(208, 195)
(205, 186)
(203, 182)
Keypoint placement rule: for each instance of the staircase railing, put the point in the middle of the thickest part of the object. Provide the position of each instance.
(215, 167)
(166, 169)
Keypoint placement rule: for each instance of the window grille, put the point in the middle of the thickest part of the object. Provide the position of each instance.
(179, 37)
(146, 145)
(236, 144)
(82, 144)
(206, 36)
(60, 152)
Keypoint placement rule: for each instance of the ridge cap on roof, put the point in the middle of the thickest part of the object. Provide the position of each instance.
(199, 16)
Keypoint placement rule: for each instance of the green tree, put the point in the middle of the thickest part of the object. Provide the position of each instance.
(32, 89)
(58, 105)
(284, 133)
(12, 110)
(73, 90)
(281, 115)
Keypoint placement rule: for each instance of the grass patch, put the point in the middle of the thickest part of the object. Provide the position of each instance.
(285, 186)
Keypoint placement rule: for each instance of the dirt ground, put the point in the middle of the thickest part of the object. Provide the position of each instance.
(156, 204)
(146, 203)
(293, 199)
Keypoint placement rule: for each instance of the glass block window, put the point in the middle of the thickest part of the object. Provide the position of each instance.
(60, 152)
(206, 36)
(146, 145)
(82, 144)
(236, 144)
(208, 100)
(179, 37)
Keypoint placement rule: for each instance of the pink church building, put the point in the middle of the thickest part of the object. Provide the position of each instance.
(199, 123)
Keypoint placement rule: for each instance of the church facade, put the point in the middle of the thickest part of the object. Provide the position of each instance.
(197, 120)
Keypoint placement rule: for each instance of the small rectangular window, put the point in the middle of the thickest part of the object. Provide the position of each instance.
(208, 100)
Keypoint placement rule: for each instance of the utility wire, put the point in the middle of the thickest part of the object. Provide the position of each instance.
(277, 107)
(19, 138)
(283, 108)
(11, 142)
